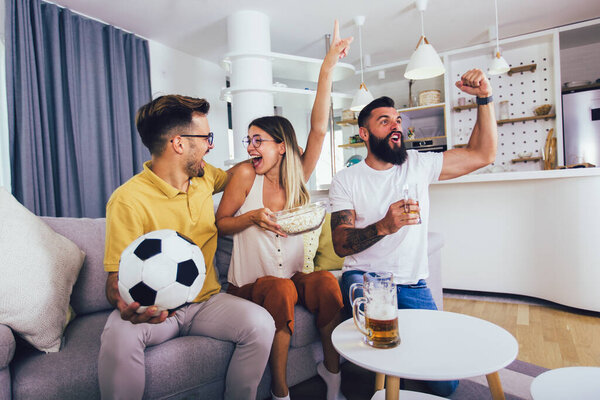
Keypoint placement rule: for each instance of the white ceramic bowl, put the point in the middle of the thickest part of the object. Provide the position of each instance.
(303, 219)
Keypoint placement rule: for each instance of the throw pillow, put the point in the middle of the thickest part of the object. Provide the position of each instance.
(39, 268)
(325, 258)
(311, 241)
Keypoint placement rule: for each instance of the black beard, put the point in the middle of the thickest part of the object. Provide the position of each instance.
(382, 150)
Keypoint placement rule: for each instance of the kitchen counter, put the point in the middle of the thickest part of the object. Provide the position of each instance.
(524, 175)
(527, 233)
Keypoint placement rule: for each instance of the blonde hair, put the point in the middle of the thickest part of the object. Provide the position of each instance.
(291, 173)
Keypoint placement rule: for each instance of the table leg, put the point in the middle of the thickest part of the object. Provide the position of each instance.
(379, 381)
(392, 387)
(495, 386)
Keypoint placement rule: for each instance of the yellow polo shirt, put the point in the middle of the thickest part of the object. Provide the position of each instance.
(147, 203)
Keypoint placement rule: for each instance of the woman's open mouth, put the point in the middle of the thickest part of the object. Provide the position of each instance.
(256, 160)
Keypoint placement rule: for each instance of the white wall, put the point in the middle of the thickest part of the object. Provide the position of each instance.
(175, 72)
(580, 63)
(4, 149)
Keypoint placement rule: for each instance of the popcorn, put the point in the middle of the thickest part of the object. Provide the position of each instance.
(301, 219)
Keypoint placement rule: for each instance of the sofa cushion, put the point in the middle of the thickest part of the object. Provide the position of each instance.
(88, 293)
(325, 257)
(305, 328)
(38, 269)
(7, 346)
(223, 257)
(184, 364)
(180, 365)
(72, 370)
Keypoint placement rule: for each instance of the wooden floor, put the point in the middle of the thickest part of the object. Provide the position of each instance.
(548, 336)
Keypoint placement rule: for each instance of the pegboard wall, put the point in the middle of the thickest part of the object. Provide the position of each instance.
(524, 91)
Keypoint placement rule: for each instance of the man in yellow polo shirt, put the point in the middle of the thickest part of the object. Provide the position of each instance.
(174, 191)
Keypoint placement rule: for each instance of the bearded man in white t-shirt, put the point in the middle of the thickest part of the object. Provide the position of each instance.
(372, 224)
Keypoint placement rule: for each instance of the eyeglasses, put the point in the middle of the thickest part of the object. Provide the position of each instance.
(257, 140)
(210, 137)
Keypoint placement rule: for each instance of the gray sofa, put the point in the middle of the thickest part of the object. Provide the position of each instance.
(183, 367)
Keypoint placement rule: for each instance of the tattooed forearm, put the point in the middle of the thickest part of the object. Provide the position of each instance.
(346, 238)
(358, 240)
(343, 217)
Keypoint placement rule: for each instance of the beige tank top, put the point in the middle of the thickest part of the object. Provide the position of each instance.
(257, 253)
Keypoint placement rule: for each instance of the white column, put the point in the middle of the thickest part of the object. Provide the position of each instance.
(251, 73)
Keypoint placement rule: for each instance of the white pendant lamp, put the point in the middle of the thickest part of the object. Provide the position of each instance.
(425, 62)
(362, 96)
(498, 65)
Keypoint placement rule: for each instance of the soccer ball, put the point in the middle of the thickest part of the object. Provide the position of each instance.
(161, 268)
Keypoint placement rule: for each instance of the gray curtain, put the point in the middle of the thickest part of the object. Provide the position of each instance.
(73, 87)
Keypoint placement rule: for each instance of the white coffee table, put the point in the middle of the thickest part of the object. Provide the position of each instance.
(581, 383)
(435, 346)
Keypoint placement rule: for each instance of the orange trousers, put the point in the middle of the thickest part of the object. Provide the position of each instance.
(318, 291)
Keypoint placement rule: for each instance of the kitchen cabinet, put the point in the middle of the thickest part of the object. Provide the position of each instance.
(429, 126)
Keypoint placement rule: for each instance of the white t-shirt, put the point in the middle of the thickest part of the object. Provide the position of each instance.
(369, 193)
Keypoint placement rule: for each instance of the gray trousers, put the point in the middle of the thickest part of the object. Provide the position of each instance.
(121, 369)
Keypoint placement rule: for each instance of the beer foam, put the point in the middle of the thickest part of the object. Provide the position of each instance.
(380, 310)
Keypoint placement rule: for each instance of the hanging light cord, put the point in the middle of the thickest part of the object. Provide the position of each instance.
(422, 25)
(497, 32)
(362, 78)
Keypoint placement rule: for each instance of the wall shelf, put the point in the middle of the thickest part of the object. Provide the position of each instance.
(522, 68)
(347, 122)
(287, 66)
(525, 159)
(581, 165)
(285, 94)
(465, 107)
(348, 145)
(512, 120)
(578, 88)
(459, 145)
(425, 138)
(423, 111)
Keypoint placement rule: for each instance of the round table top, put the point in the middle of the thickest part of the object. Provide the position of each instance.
(580, 383)
(435, 345)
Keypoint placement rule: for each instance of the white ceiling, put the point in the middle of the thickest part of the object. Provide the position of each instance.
(390, 33)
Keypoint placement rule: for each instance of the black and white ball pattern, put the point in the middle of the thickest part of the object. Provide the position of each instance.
(161, 268)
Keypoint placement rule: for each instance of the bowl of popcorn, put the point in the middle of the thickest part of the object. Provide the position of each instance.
(302, 219)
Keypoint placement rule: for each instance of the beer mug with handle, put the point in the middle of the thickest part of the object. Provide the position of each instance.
(378, 321)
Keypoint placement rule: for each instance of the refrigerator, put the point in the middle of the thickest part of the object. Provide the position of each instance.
(581, 127)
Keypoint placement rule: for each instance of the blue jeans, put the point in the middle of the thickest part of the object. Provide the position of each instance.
(417, 296)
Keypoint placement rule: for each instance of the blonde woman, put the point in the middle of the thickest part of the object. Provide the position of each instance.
(266, 265)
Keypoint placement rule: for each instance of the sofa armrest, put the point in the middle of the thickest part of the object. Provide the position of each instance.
(7, 346)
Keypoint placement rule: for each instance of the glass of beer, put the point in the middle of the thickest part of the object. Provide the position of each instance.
(375, 312)
(410, 191)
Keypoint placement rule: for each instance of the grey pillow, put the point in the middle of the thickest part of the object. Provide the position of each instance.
(38, 268)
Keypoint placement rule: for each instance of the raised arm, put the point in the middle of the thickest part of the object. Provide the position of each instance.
(320, 111)
(482, 146)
